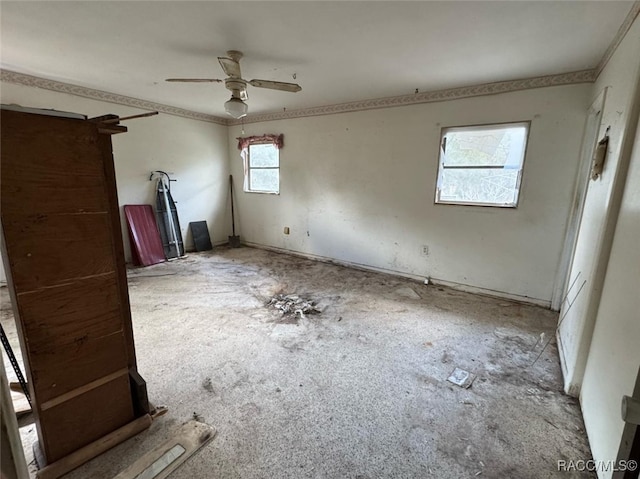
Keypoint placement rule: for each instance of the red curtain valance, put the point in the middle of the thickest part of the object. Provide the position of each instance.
(277, 140)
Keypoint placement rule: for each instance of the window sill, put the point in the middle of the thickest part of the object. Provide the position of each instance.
(484, 205)
(275, 193)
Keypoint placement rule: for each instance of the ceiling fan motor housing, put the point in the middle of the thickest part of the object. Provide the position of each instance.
(236, 85)
(238, 88)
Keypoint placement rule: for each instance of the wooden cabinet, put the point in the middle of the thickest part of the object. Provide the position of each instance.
(64, 260)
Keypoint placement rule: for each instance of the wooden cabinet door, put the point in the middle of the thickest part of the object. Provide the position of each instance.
(65, 268)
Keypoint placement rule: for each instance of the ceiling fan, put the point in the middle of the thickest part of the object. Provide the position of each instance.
(236, 106)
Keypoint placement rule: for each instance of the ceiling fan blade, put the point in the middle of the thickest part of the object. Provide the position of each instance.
(194, 80)
(230, 67)
(276, 85)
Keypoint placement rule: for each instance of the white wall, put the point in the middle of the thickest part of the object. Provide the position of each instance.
(598, 218)
(359, 188)
(614, 356)
(194, 152)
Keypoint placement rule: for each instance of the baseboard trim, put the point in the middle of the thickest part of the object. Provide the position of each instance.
(493, 293)
(364, 267)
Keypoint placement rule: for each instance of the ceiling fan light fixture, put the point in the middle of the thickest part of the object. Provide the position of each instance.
(236, 108)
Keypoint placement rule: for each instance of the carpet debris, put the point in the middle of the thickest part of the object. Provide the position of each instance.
(293, 304)
(461, 378)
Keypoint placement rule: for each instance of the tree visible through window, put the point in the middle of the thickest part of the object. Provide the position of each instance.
(481, 165)
(264, 168)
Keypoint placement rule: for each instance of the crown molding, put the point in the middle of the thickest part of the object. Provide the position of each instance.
(583, 76)
(622, 31)
(61, 87)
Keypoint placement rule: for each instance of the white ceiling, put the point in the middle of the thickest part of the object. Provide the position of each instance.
(340, 51)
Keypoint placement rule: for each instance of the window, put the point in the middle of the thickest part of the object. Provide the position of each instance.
(481, 165)
(263, 172)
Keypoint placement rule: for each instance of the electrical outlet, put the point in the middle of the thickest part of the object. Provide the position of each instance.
(424, 250)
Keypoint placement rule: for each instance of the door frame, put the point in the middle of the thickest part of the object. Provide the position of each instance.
(589, 140)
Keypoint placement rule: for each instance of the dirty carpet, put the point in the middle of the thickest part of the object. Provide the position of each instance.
(358, 390)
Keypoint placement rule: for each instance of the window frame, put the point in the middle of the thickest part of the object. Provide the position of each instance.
(249, 168)
(479, 127)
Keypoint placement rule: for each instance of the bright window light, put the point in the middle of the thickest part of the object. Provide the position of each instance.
(264, 168)
(481, 165)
